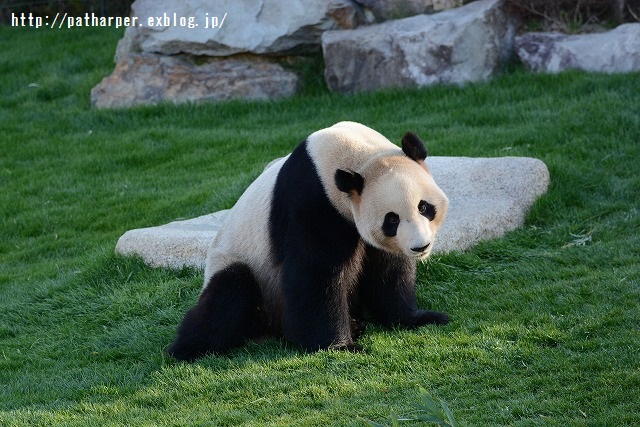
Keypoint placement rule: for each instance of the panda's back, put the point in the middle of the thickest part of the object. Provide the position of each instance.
(244, 236)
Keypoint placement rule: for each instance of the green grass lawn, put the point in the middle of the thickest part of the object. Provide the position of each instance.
(545, 322)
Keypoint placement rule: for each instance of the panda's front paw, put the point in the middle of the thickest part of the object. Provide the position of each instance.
(357, 328)
(350, 347)
(424, 317)
(353, 348)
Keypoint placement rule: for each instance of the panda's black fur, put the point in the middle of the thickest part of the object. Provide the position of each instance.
(319, 285)
(329, 278)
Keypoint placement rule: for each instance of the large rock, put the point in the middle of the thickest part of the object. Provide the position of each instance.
(173, 245)
(383, 10)
(229, 27)
(488, 197)
(469, 43)
(149, 78)
(614, 51)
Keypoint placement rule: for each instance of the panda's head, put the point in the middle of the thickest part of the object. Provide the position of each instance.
(396, 204)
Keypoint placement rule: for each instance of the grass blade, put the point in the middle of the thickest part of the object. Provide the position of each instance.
(448, 413)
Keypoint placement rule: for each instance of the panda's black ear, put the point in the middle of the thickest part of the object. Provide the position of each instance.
(349, 181)
(413, 147)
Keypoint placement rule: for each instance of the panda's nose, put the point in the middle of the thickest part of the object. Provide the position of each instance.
(421, 249)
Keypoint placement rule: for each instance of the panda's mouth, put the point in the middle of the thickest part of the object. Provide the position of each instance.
(421, 252)
(421, 249)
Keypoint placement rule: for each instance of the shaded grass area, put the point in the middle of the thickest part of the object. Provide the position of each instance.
(545, 322)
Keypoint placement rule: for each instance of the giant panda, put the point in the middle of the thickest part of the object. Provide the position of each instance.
(323, 239)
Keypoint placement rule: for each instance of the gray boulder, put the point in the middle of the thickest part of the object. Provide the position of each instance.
(383, 10)
(460, 45)
(488, 197)
(614, 51)
(199, 50)
(229, 27)
(149, 78)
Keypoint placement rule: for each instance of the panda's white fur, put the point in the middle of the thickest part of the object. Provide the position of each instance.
(393, 183)
(244, 238)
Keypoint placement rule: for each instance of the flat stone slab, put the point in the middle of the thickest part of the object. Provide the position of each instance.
(488, 197)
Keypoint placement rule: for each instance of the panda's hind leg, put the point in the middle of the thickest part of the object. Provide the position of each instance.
(227, 314)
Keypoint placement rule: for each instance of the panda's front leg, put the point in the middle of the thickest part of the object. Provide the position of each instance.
(316, 311)
(388, 290)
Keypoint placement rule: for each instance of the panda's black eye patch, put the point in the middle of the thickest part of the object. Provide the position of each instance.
(427, 210)
(390, 225)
